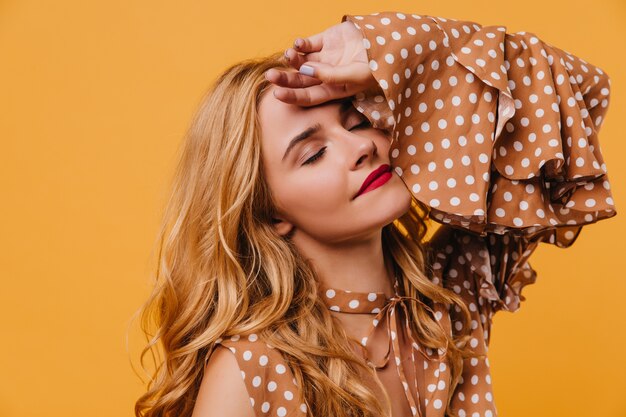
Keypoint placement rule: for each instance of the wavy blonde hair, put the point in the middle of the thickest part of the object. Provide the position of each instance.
(223, 270)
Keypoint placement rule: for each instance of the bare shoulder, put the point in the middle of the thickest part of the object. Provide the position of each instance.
(222, 390)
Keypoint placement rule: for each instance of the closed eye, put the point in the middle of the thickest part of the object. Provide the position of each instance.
(364, 123)
(315, 157)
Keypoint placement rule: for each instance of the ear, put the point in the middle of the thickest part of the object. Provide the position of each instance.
(282, 227)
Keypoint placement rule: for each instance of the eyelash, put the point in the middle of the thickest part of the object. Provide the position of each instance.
(318, 155)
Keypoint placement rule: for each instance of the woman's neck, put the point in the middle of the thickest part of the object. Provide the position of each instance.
(356, 266)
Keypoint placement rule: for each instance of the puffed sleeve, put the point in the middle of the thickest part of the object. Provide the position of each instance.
(269, 381)
(493, 131)
(497, 134)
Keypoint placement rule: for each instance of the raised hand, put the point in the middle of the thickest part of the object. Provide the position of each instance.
(332, 64)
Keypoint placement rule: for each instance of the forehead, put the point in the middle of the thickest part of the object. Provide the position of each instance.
(281, 121)
(272, 109)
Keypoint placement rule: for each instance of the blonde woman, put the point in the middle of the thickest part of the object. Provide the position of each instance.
(295, 278)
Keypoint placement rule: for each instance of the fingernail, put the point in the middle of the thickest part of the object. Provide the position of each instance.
(307, 70)
(298, 43)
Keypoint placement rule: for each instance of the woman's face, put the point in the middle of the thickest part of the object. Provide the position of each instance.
(314, 182)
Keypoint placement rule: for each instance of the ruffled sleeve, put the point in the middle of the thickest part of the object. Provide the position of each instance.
(495, 132)
(487, 272)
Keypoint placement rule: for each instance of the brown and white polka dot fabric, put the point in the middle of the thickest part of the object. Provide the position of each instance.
(271, 386)
(494, 131)
(385, 309)
(498, 134)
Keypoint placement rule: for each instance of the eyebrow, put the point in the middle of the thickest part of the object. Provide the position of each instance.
(310, 131)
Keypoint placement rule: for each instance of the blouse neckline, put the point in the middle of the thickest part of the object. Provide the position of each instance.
(356, 302)
(384, 309)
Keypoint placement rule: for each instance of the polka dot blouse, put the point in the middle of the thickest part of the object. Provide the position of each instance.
(498, 134)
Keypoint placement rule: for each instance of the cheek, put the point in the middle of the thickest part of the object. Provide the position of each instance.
(314, 195)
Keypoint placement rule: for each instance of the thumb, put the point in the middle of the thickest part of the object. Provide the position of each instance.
(353, 73)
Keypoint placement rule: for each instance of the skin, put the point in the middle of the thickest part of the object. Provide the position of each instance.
(340, 234)
(339, 61)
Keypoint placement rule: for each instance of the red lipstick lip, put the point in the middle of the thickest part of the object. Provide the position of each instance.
(372, 176)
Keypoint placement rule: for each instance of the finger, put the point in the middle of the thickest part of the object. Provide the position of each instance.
(313, 43)
(294, 58)
(357, 73)
(310, 96)
(290, 79)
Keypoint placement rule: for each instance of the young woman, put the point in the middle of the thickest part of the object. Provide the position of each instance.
(295, 278)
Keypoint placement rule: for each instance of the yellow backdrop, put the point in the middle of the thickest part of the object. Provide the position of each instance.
(94, 99)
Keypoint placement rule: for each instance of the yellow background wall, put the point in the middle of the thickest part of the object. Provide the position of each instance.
(94, 99)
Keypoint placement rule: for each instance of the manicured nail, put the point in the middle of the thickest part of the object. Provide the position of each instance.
(298, 43)
(307, 70)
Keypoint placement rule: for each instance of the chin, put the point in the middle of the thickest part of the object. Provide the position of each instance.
(395, 204)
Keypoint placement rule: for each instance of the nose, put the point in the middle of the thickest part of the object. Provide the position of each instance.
(362, 148)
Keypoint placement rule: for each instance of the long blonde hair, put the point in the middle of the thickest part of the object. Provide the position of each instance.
(223, 270)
